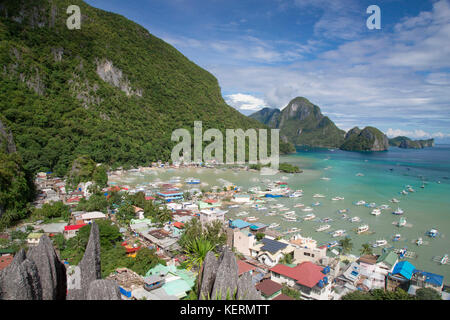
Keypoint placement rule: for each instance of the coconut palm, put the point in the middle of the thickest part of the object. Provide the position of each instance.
(346, 245)
(366, 249)
(196, 251)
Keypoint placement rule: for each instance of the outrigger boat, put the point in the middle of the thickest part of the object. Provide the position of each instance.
(444, 259)
(337, 198)
(394, 200)
(243, 213)
(433, 233)
(343, 211)
(252, 219)
(292, 230)
(309, 217)
(299, 205)
(307, 209)
(379, 243)
(360, 203)
(338, 233)
(355, 219)
(323, 227)
(397, 237)
(376, 212)
(419, 241)
(273, 225)
(318, 195)
(402, 222)
(362, 228)
(325, 220)
(316, 204)
(399, 211)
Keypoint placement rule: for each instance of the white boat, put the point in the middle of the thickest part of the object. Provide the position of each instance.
(290, 213)
(273, 225)
(384, 207)
(337, 198)
(296, 194)
(292, 230)
(271, 213)
(371, 205)
(323, 227)
(444, 259)
(277, 206)
(355, 219)
(379, 243)
(291, 219)
(394, 200)
(360, 203)
(399, 211)
(404, 192)
(360, 175)
(325, 178)
(316, 204)
(397, 237)
(283, 209)
(318, 195)
(432, 233)
(306, 209)
(309, 217)
(410, 189)
(362, 228)
(252, 218)
(402, 222)
(243, 213)
(343, 210)
(338, 233)
(299, 205)
(376, 212)
(327, 219)
(419, 241)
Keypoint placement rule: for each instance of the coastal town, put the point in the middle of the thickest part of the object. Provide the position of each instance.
(282, 264)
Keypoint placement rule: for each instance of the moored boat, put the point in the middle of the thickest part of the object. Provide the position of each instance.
(376, 212)
(362, 228)
(338, 233)
(380, 243)
(309, 217)
(399, 211)
(323, 227)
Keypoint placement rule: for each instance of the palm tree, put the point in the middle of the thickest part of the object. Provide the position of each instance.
(366, 249)
(196, 251)
(346, 245)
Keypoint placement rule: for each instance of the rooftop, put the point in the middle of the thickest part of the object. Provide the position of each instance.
(244, 267)
(268, 287)
(306, 273)
(272, 246)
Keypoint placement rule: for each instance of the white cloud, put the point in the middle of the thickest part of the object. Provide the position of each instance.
(416, 134)
(245, 101)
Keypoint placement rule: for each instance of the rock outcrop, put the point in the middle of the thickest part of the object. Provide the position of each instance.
(367, 139)
(407, 143)
(103, 290)
(20, 280)
(6, 139)
(52, 272)
(220, 280)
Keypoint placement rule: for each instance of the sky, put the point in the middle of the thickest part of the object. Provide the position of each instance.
(264, 53)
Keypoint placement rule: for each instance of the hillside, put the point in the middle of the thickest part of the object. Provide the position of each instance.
(111, 90)
(367, 139)
(302, 123)
(407, 143)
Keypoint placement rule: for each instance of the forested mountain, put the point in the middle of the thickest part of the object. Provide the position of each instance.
(407, 143)
(110, 90)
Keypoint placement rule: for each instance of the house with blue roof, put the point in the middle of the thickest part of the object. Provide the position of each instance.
(423, 279)
(400, 276)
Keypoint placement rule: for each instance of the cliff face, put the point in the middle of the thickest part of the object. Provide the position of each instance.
(368, 139)
(407, 143)
(302, 123)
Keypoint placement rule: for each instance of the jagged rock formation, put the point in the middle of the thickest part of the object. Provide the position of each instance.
(367, 139)
(407, 143)
(103, 290)
(6, 139)
(220, 280)
(302, 123)
(52, 272)
(90, 266)
(20, 280)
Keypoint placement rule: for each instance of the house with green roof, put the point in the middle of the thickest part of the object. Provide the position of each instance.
(387, 260)
(177, 282)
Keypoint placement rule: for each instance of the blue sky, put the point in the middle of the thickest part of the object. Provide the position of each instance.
(264, 53)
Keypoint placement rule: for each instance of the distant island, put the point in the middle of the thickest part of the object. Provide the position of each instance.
(303, 124)
(407, 143)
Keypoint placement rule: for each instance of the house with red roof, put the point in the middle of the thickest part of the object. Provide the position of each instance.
(5, 260)
(244, 267)
(269, 289)
(311, 280)
(72, 230)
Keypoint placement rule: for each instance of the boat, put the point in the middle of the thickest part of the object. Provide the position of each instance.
(332, 244)
(444, 259)
(362, 228)
(371, 205)
(325, 178)
(299, 205)
(410, 189)
(292, 230)
(283, 209)
(384, 207)
(360, 174)
(338, 233)
(192, 181)
(432, 233)
(234, 206)
(273, 225)
(404, 192)
(277, 206)
(271, 213)
(399, 211)
(344, 216)
(376, 212)
(296, 194)
(323, 227)
(290, 219)
(337, 198)
(397, 237)
(316, 204)
(355, 219)
(309, 217)
(419, 241)
(325, 220)
(306, 209)
(402, 222)
(379, 243)
(318, 195)
(360, 203)
(394, 200)
(243, 213)
(343, 210)
(290, 213)
(252, 218)
(422, 186)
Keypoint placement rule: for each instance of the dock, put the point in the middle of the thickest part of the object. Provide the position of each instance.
(408, 254)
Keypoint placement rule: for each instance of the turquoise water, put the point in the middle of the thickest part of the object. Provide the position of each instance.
(424, 209)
